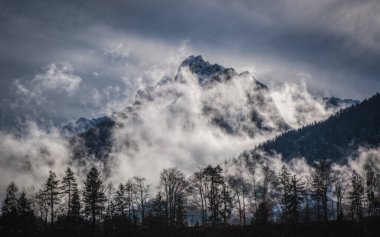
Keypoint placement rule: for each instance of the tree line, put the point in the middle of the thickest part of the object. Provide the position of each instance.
(209, 198)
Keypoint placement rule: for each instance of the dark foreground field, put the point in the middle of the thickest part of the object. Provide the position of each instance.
(367, 227)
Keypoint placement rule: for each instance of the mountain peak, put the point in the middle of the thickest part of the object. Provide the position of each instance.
(200, 66)
(195, 60)
(204, 70)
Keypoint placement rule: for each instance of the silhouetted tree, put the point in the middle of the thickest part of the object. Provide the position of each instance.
(130, 199)
(370, 188)
(25, 213)
(356, 195)
(173, 187)
(141, 195)
(321, 183)
(197, 194)
(52, 191)
(215, 182)
(69, 186)
(285, 189)
(266, 189)
(43, 206)
(340, 187)
(93, 197)
(296, 197)
(241, 189)
(9, 208)
(120, 201)
(75, 208)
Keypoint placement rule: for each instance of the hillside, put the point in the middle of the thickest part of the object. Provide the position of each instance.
(335, 138)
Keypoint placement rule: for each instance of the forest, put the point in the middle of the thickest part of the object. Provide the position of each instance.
(210, 202)
(334, 138)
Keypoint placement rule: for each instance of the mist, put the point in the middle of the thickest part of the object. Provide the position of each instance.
(167, 128)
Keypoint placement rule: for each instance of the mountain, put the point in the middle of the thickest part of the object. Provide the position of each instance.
(82, 125)
(335, 138)
(236, 103)
(96, 141)
(200, 95)
(202, 100)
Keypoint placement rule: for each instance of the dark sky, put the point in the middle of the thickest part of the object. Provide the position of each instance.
(60, 60)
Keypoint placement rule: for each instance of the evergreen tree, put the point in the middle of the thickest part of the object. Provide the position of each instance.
(75, 208)
(120, 200)
(93, 196)
(43, 206)
(68, 187)
(9, 208)
(25, 213)
(53, 194)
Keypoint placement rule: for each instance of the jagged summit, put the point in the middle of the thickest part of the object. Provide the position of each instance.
(206, 72)
(199, 66)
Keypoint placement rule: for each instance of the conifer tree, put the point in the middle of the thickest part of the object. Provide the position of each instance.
(93, 196)
(9, 208)
(69, 187)
(120, 200)
(25, 213)
(53, 194)
(75, 207)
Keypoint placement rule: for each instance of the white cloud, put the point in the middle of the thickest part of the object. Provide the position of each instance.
(297, 106)
(57, 77)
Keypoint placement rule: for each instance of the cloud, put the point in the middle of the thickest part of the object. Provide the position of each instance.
(298, 107)
(57, 77)
(169, 129)
(27, 160)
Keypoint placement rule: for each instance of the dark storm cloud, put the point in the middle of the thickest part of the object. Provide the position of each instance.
(335, 42)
